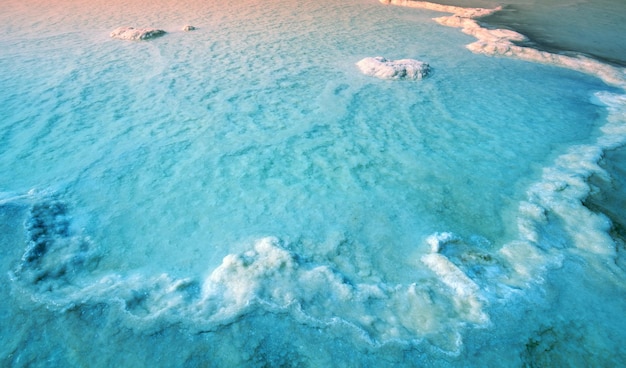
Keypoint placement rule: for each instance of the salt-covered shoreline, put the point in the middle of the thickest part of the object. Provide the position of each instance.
(549, 26)
(576, 192)
(503, 42)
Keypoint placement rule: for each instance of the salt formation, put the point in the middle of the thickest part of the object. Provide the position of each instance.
(502, 42)
(135, 34)
(60, 267)
(456, 10)
(563, 187)
(188, 28)
(393, 69)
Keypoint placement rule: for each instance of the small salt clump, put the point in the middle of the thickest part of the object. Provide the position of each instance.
(135, 34)
(382, 68)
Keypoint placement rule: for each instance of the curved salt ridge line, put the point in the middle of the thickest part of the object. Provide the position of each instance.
(562, 187)
(8, 198)
(500, 42)
(60, 270)
(456, 10)
(555, 204)
(449, 273)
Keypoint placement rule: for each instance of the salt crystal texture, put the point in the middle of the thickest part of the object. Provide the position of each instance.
(393, 69)
(134, 34)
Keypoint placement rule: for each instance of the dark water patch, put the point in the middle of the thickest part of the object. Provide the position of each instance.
(48, 221)
(55, 253)
(608, 196)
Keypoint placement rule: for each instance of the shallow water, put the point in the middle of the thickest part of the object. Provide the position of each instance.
(243, 195)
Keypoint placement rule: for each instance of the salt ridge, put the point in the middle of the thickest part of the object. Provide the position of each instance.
(501, 42)
(60, 269)
(563, 186)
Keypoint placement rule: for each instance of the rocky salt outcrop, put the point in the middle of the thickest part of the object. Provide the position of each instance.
(188, 28)
(382, 68)
(136, 34)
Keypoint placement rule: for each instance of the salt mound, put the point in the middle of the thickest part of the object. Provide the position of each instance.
(393, 69)
(134, 34)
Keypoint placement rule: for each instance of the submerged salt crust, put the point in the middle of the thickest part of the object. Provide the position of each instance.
(244, 196)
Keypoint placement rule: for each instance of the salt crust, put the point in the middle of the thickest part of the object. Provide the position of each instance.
(382, 68)
(501, 42)
(562, 187)
(245, 278)
(136, 34)
(60, 268)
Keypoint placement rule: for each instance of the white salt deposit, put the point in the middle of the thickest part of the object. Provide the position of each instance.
(245, 197)
(456, 10)
(502, 42)
(382, 68)
(135, 34)
(563, 186)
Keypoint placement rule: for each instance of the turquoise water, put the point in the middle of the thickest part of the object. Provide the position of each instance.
(241, 195)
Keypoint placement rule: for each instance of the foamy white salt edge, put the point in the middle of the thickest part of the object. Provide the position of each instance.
(272, 277)
(501, 42)
(382, 68)
(563, 186)
(269, 277)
